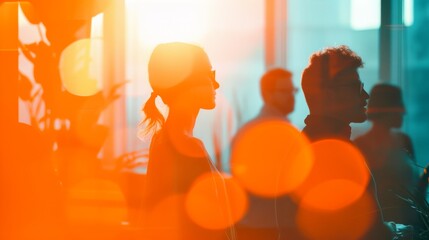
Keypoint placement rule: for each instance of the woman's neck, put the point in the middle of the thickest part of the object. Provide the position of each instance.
(182, 121)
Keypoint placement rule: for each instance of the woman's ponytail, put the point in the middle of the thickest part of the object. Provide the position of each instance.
(153, 117)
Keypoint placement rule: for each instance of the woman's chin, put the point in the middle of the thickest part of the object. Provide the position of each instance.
(209, 106)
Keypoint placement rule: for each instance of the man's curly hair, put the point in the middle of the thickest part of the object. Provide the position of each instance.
(322, 69)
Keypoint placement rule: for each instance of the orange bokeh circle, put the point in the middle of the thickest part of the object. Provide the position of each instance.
(338, 178)
(216, 201)
(270, 157)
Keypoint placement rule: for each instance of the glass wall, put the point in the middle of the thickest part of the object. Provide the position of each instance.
(415, 85)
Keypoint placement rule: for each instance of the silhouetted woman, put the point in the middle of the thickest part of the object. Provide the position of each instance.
(182, 76)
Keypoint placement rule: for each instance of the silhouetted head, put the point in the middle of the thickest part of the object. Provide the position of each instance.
(181, 74)
(385, 105)
(277, 90)
(332, 86)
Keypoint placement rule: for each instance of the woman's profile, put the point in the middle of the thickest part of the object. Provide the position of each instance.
(181, 75)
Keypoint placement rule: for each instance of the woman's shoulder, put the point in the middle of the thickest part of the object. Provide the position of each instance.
(192, 147)
(182, 144)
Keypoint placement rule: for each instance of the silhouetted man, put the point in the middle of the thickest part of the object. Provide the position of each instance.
(334, 93)
(335, 97)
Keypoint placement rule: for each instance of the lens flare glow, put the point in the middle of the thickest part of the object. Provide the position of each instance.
(178, 60)
(271, 158)
(81, 67)
(338, 178)
(167, 20)
(216, 201)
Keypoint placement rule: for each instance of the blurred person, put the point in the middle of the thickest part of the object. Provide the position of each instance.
(278, 94)
(390, 155)
(182, 76)
(262, 220)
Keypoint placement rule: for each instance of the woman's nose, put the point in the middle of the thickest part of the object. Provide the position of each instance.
(215, 84)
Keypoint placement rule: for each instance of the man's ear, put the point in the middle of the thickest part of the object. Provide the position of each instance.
(329, 99)
(330, 96)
